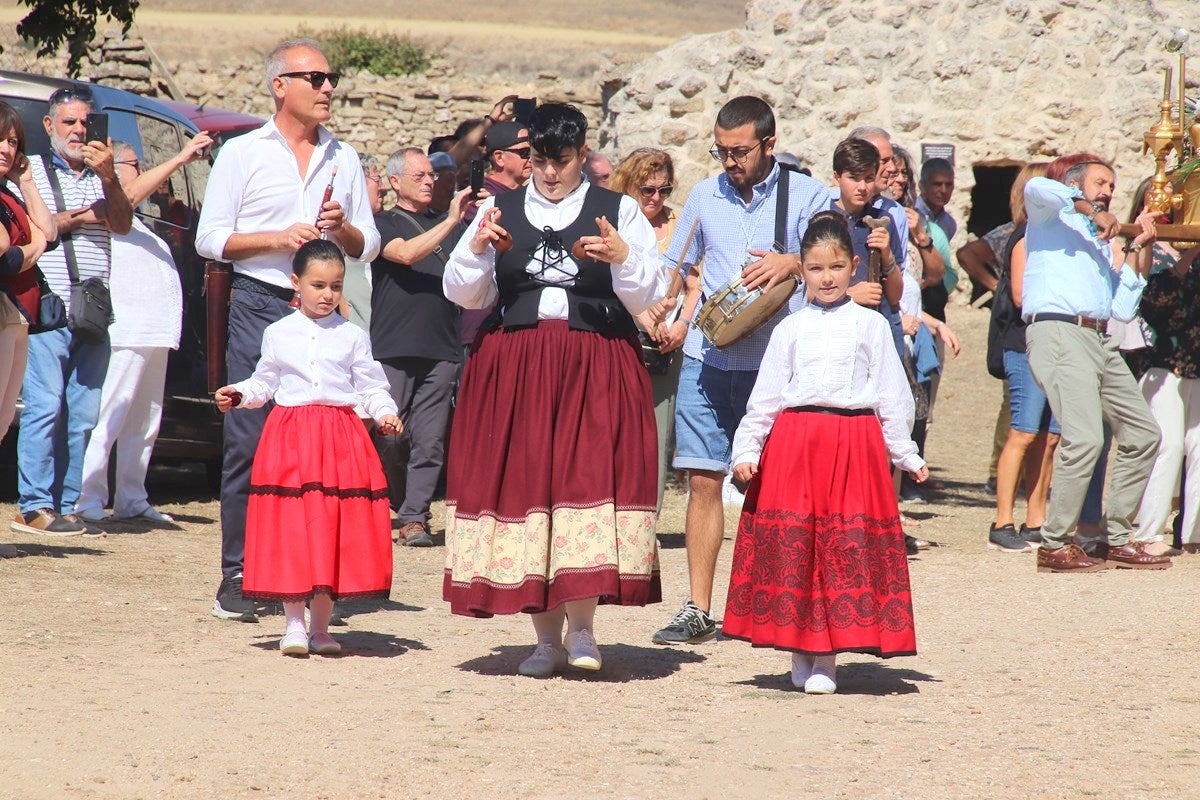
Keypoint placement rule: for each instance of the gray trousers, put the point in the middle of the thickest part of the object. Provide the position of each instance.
(663, 387)
(412, 461)
(1087, 384)
(249, 315)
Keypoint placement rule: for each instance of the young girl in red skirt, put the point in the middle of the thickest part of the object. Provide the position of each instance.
(819, 567)
(317, 525)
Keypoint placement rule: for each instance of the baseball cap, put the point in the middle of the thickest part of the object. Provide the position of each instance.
(504, 135)
(441, 161)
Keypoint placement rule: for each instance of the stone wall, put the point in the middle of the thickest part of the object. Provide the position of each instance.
(376, 115)
(1007, 81)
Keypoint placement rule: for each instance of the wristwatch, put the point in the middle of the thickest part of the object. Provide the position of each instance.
(927, 246)
(1096, 208)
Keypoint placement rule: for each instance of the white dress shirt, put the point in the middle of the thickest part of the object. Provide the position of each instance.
(324, 361)
(639, 281)
(256, 187)
(839, 357)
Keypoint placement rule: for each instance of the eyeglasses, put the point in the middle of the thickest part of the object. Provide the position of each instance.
(375, 178)
(419, 177)
(69, 93)
(739, 156)
(315, 78)
(663, 191)
(134, 163)
(520, 152)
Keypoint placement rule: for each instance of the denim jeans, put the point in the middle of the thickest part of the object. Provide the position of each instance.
(61, 392)
(708, 407)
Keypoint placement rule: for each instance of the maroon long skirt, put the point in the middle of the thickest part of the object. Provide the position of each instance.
(552, 478)
(318, 515)
(819, 565)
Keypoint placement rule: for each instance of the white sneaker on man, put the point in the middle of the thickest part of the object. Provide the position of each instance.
(151, 514)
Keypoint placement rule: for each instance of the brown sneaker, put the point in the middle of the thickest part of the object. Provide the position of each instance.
(1068, 558)
(44, 522)
(1134, 556)
(414, 534)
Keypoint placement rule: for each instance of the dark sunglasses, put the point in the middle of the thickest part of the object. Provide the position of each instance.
(663, 191)
(70, 93)
(315, 78)
(520, 152)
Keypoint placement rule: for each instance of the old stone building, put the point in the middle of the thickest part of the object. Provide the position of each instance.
(1005, 81)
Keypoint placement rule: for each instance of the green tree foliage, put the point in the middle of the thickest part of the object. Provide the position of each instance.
(51, 23)
(378, 53)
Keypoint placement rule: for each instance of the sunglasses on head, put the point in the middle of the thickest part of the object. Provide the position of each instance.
(70, 93)
(663, 191)
(315, 78)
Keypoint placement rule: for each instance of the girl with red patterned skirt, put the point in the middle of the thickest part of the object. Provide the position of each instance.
(318, 527)
(551, 482)
(819, 567)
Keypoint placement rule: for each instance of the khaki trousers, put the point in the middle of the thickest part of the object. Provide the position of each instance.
(1087, 383)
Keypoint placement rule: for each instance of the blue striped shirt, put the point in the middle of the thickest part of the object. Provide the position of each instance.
(729, 228)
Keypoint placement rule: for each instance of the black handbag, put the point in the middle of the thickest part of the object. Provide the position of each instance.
(52, 312)
(91, 303)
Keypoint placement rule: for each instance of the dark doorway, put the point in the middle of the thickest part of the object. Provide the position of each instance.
(989, 198)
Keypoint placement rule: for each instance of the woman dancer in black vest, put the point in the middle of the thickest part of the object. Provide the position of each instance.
(551, 484)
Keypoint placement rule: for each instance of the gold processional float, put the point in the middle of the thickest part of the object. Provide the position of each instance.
(1174, 193)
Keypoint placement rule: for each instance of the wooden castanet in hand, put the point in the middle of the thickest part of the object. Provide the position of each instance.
(874, 261)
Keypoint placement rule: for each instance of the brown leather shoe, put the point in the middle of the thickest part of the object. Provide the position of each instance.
(1068, 558)
(1133, 555)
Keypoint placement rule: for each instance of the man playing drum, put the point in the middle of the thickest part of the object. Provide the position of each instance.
(732, 219)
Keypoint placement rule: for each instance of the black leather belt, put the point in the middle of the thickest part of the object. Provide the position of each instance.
(1100, 325)
(841, 412)
(248, 284)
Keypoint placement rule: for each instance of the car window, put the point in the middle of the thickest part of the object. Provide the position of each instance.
(167, 206)
(32, 112)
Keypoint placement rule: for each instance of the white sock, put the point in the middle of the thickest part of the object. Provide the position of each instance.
(294, 614)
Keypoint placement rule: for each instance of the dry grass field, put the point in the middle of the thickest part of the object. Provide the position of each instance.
(515, 38)
(118, 685)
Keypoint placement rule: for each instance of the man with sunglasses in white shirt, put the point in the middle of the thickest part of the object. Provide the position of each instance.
(266, 197)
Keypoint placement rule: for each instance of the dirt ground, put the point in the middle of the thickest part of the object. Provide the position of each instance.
(117, 683)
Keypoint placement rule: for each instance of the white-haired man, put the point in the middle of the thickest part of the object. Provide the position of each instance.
(65, 371)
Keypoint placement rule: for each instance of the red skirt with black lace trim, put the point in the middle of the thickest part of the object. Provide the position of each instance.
(820, 565)
(318, 517)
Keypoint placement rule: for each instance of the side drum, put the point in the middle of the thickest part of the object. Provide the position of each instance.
(733, 313)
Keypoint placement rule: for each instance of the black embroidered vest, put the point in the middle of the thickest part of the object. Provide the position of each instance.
(592, 305)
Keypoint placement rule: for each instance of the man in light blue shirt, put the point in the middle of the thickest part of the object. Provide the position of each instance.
(1075, 280)
(733, 216)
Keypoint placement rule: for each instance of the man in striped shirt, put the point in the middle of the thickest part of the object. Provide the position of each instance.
(61, 391)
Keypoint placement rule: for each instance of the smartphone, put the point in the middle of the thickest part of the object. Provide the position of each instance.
(97, 127)
(478, 172)
(523, 108)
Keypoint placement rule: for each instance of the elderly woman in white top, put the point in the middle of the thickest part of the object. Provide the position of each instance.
(148, 314)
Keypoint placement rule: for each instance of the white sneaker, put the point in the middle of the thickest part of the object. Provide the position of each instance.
(822, 679)
(94, 515)
(582, 652)
(324, 645)
(545, 660)
(802, 665)
(151, 514)
(294, 643)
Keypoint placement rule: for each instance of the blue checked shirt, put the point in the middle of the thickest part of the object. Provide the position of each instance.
(728, 230)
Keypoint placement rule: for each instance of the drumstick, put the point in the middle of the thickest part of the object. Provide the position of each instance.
(677, 274)
(325, 199)
(873, 262)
